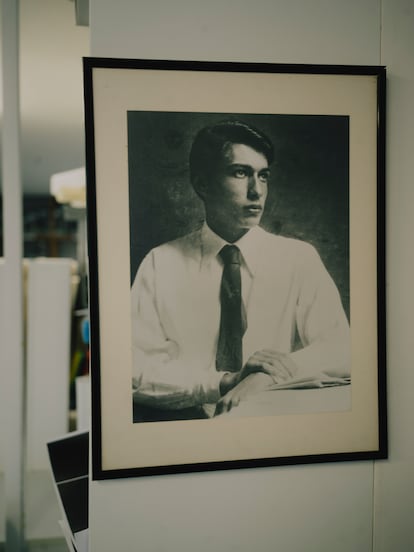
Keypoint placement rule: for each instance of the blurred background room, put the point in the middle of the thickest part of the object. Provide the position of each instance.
(43, 182)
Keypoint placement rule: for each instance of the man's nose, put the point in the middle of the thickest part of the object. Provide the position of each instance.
(255, 187)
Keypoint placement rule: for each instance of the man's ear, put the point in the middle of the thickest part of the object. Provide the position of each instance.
(200, 185)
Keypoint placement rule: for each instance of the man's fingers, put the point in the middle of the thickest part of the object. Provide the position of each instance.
(221, 407)
(263, 365)
(218, 409)
(279, 358)
(226, 404)
(276, 372)
(252, 365)
(267, 361)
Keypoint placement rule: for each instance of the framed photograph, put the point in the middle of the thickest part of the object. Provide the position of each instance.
(236, 261)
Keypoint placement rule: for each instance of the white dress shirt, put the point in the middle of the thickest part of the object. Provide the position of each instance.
(176, 314)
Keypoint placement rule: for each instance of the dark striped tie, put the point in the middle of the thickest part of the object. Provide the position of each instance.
(233, 317)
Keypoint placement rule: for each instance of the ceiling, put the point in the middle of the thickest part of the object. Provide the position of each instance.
(52, 45)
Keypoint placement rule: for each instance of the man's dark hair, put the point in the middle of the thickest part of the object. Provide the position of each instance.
(212, 144)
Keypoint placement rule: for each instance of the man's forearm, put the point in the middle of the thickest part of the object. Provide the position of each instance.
(173, 386)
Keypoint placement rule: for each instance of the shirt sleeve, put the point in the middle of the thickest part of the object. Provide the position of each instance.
(161, 378)
(321, 322)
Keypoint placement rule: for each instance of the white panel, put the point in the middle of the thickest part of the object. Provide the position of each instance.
(12, 300)
(83, 400)
(284, 31)
(48, 355)
(3, 373)
(2, 509)
(304, 508)
(394, 490)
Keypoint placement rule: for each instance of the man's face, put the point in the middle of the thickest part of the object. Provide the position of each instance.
(235, 198)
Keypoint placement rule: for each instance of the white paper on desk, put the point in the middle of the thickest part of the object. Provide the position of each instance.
(319, 381)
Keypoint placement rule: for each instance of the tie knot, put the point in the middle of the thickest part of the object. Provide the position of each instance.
(230, 254)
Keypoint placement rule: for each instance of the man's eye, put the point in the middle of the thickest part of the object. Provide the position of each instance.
(240, 173)
(264, 177)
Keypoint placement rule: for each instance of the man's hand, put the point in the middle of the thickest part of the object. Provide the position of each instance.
(277, 365)
(263, 369)
(253, 383)
(228, 381)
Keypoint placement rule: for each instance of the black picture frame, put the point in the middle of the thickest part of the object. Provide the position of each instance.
(332, 123)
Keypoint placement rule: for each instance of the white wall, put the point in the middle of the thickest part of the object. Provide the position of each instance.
(3, 411)
(394, 486)
(362, 506)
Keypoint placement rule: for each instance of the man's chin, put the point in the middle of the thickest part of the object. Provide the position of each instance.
(251, 222)
(243, 229)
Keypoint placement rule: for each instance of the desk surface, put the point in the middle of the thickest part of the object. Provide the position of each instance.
(295, 401)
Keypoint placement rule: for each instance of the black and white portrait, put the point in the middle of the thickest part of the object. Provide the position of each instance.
(239, 250)
(235, 235)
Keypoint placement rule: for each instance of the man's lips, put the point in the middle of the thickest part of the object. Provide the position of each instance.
(253, 208)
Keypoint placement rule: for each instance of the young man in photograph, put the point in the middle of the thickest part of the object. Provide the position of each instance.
(215, 313)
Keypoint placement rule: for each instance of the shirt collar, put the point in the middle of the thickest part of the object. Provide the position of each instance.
(249, 246)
